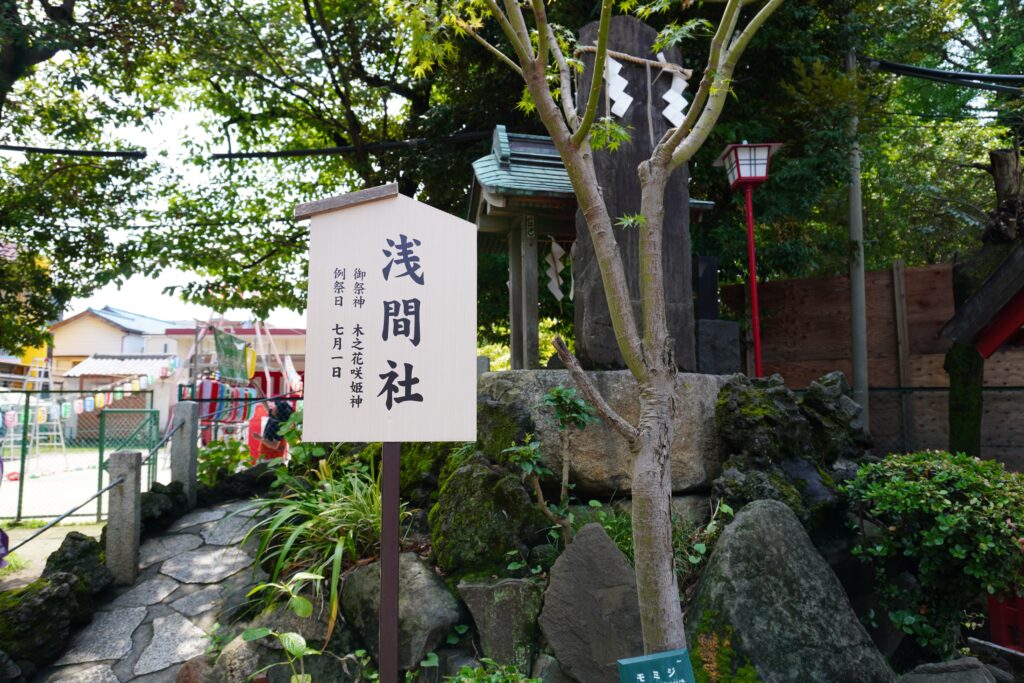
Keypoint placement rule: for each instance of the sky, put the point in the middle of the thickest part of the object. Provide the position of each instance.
(144, 295)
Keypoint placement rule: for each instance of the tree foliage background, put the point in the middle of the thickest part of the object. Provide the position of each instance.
(296, 74)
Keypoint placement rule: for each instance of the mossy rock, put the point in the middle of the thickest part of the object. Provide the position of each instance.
(161, 506)
(420, 468)
(82, 556)
(713, 656)
(836, 421)
(36, 620)
(759, 420)
(482, 513)
(501, 424)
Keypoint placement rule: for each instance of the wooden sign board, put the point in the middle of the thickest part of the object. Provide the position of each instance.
(391, 321)
(662, 667)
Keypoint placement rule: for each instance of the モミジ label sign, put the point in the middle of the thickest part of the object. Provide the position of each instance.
(391, 321)
(662, 667)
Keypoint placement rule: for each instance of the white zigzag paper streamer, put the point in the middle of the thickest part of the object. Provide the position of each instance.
(616, 87)
(673, 111)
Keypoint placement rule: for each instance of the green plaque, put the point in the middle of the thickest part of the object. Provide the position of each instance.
(662, 667)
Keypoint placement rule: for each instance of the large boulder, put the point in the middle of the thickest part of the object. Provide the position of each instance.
(767, 602)
(161, 506)
(963, 670)
(36, 620)
(80, 555)
(508, 409)
(505, 613)
(591, 616)
(482, 513)
(427, 611)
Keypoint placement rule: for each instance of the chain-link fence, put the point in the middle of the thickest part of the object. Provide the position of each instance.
(54, 444)
(912, 419)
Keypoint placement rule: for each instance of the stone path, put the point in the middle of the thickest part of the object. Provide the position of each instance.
(145, 632)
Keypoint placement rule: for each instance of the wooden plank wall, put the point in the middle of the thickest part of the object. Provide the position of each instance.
(805, 332)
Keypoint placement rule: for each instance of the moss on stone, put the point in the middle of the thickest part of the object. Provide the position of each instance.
(713, 657)
(35, 620)
(500, 428)
(966, 369)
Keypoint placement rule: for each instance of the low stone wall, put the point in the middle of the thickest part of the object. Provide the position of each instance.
(508, 409)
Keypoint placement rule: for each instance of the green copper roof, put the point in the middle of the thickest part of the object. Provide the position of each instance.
(525, 165)
(529, 166)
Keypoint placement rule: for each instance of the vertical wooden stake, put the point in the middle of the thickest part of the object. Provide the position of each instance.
(388, 657)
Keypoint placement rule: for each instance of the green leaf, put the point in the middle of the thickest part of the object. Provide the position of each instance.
(301, 606)
(256, 633)
(429, 661)
(700, 548)
(461, 629)
(293, 643)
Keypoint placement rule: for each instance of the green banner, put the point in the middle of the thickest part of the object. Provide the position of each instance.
(230, 356)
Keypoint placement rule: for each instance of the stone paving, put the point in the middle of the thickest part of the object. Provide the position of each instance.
(145, 632)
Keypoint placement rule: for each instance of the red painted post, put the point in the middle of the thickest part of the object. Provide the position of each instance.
(748, 191)
(387, 661)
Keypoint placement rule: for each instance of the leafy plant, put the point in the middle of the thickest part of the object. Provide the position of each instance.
(490, 672)
(322, 525)
(952, 523)
(692, 544)
(219, 459)
(530, 460)
(295, 647)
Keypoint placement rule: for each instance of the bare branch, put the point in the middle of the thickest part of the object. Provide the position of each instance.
(566, 98)
(597, 75)
(673, 137)
(491, 48)
(588, 389)
(541, 18)
(515, 16)
(716, 99)
(522, 51)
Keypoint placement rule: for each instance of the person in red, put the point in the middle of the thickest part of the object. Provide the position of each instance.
(272, 443)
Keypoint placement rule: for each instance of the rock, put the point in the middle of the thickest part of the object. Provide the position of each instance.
(109, 636)
(9, 671)
(196, 603)
(250, 482)
(760, 421)
(175, 640)
(426, 610)
(147, 593)
(836, 421)
(591, 617)
(482, 513)
(963, 670)
(548, 670)
(161, 506)
(508, 409)
(194, 670)
(92, 674)
(196, 518)
(165, 547)
(228, 531)
(238, 605)
(505, 613)
(35, 620)
(206, 565)
(237, 662)
(768, 597)
(718, 346)
(79, 554)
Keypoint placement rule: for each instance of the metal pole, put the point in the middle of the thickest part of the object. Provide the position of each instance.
(388, 659)
(858, 306)
(755, 314)
(24, 453)
(99, 467)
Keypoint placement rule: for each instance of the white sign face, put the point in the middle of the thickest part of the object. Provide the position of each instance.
(391, 325)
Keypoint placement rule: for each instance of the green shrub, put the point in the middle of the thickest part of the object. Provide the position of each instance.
(219, 459)
(490, 672)
(938, 530)
(321, 525)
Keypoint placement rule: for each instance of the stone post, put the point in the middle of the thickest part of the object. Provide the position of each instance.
(124, 516)
(483, 364)
(185, 448)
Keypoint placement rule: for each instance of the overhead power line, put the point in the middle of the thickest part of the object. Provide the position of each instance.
(968, 79)
(128, 154)
(349, 149)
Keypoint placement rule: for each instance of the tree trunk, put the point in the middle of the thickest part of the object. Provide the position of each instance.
(657, 589)
(1006, 172)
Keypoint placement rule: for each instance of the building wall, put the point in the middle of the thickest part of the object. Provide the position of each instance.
(87, 336)
(153, 344)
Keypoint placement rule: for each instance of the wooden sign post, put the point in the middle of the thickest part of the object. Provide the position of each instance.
(390, 343)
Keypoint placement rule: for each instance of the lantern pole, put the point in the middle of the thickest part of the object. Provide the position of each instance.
(748, 192)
